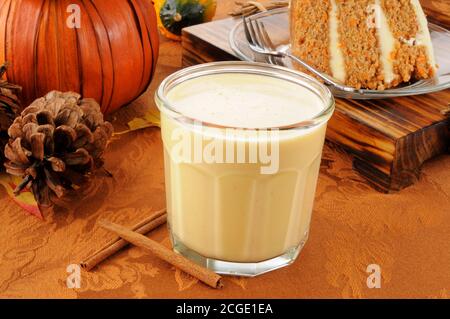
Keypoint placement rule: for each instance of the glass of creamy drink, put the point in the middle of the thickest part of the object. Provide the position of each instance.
(242, 147)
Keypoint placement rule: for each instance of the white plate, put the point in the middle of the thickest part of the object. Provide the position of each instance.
(277, 25)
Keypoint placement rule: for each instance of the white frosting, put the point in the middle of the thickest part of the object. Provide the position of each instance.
(409, 42)
(337, 63)
(424, 37)
(387, 43)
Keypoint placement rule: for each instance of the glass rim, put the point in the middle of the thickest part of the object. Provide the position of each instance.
(242, 67)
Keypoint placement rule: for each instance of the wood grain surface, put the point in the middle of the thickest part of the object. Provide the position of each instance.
(389, 139)
(438, 11)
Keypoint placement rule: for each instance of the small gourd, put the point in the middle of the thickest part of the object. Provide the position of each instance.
(174, 15)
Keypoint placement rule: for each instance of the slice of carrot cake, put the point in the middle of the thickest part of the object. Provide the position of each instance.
(374, 44)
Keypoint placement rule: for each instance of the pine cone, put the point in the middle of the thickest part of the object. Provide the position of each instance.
(55, 143)
(9, 109)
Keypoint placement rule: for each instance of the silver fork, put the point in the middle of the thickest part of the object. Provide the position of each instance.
(260, 42)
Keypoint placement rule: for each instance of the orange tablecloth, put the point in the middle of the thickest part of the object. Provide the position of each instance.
(407, 234)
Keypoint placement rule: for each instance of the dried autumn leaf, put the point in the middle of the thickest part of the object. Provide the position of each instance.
(150, 119)
(24, 199)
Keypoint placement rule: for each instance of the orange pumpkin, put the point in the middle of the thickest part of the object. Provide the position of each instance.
(111, 56)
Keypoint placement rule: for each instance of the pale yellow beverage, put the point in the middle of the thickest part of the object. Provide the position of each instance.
(240, 201)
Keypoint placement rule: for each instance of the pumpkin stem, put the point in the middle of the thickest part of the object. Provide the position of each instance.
(178, 17)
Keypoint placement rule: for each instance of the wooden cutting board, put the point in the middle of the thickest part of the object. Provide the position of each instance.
(388, 139)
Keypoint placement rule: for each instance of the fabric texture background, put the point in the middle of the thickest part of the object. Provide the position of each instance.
(407, 234)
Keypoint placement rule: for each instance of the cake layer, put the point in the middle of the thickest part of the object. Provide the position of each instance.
(310, 32)
(359, 43)
(423, 37)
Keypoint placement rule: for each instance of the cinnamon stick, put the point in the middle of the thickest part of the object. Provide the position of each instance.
(116, 244)
(203, 274)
